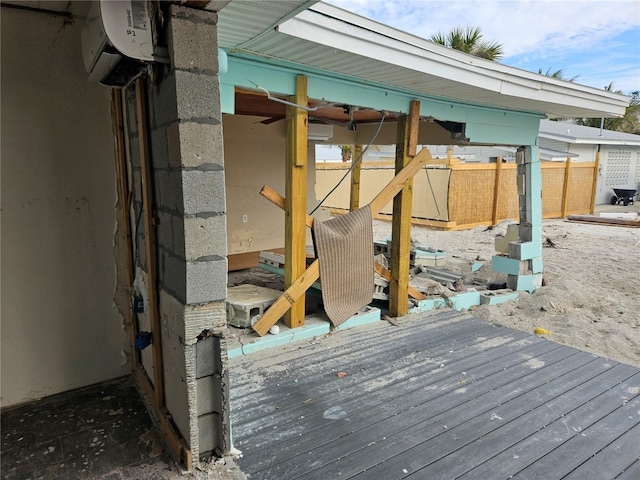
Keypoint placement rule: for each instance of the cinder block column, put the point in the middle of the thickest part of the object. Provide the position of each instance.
(524, 261)
(187, 152)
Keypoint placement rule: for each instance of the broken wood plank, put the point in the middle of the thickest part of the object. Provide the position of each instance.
(604, 220)
(386, 274)
(242, 261)
(279, 201)
(296, 290)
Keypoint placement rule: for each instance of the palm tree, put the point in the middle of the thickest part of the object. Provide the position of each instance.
(630, 123)
(559, 74)
(469, 40)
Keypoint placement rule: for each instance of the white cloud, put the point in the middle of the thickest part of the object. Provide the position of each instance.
(520, 26)
(554, 34)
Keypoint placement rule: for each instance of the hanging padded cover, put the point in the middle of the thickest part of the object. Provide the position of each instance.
(344, 246)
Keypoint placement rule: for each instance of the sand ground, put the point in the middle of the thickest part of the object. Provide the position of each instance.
(592, 297)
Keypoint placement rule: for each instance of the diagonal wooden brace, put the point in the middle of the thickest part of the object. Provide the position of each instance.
(312, 273)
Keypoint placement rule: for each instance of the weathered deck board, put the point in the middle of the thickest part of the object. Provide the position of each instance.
(615, 457)
(445, 396)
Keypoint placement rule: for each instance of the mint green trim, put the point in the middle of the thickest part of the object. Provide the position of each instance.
(313, 327)
(223, 62)
(495, 297)
(527, 283)
(227, 99)
(507, 265)
(536, 265)
(524, 250)
(280, 271)
(364, 317)
(461, 301)
(484, 124)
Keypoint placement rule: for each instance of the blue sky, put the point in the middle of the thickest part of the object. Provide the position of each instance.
(596, 40)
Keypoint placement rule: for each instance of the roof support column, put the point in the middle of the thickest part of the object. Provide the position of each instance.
(354, 199)
(406, 145)
(523, 266)
(296, 198)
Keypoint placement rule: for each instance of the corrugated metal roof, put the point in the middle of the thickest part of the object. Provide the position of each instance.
(331, 39)
(243, 20)
(572, 133)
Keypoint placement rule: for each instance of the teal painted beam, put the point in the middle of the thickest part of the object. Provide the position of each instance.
(365, 317)
(227, 98)
(484, 124)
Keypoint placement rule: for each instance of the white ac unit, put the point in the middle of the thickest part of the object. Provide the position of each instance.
(320, 131)
(116, 38)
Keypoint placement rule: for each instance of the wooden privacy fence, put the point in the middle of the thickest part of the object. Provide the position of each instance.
(455, 196)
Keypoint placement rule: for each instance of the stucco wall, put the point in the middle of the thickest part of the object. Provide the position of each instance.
(60, 329)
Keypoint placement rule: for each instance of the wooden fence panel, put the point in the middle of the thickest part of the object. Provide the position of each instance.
(552, 189)
(469, 197)
(579, 194)
(471, 194)
(508, 207)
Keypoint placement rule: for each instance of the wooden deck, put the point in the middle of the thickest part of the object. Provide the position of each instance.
(439, 396)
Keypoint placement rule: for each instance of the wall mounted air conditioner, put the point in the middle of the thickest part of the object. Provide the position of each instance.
(116, 39)
(320, 132)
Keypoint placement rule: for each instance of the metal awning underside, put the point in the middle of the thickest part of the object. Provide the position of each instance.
(321, 36)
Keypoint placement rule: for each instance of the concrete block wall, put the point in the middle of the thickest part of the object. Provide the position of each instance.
(186, 150)
(188, 167)
(523, 262)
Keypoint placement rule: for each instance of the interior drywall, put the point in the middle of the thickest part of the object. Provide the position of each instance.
(60, 329)
(254, 156)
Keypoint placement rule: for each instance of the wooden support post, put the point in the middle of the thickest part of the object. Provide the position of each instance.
(594, 185)
(496, 191)
(291, 294)
(565, 189)
(414, 128)
(401, 221)
(354, 201)
(296, 198)
(149, 242)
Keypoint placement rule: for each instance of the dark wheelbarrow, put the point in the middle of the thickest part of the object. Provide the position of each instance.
(623, 196)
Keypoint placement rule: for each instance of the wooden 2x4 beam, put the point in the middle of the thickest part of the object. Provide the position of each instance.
(296, 198)
(300, 286)
(406, 146)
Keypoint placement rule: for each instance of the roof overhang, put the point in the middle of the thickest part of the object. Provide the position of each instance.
(325, 37)
(602, 140)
